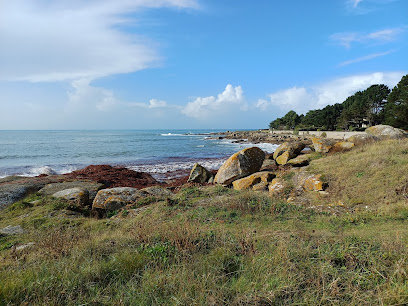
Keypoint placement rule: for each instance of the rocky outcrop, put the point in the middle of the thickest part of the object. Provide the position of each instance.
(362, 139)
(241, 164)
(386, 132)
(91, 188)
(323, 145)
(79, 197)
(199, 174)
(115, 198)
(262, 178)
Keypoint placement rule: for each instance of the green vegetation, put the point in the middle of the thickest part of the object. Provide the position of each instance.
(216, 246)
(375, 105)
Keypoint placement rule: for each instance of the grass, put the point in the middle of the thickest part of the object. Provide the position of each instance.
(214, 246)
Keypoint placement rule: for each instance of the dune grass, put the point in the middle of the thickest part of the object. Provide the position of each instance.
(215, 246)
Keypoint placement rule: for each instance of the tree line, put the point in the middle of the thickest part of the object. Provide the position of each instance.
(375, 105)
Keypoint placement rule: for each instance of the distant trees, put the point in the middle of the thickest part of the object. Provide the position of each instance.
(397, 107)
(375, 105)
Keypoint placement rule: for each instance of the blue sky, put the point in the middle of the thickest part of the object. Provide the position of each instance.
(168, 64)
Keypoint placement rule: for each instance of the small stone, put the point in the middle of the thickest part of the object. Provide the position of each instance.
(12, 230)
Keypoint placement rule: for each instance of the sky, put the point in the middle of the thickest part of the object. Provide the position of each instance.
(191, 64)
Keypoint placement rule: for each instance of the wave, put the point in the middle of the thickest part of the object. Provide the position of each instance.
(38, 170)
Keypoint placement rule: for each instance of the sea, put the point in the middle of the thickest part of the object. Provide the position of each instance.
(162, 153)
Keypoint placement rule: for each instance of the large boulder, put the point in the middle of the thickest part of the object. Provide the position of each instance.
(254, 179)
(199, 174)
(77, 196)
(342, 146)
(115, 198)
(293, 149)
(386, 132)
(322, 145)
(91, 187)
(241, 164)
(308, 181)
(299, 161)
(157, 191)
(362, 139)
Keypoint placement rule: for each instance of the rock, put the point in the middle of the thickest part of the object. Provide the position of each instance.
(322, 145)
(386, 132)
(11, 193)
(253, 179)
(199, 174)
(115, 198)
(276, 187)
(260, 186)
(91, 187)
(361, 139)
(268, 164)
(313, 183)
(293, 149)
(12, 230)
(77, 196)
(157, 191)
(283, 158)
(299, 161)
(241, 164)
(24, 246)
(342, 146)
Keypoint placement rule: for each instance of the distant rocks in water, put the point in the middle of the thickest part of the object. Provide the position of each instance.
(241, 164)
(114, 176)
(386, 132)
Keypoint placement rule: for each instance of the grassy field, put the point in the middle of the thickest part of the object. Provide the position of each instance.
(215, 246)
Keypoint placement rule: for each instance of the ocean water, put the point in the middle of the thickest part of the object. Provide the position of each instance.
(159, 152)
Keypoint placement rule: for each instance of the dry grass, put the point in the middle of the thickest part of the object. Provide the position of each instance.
(374, 175)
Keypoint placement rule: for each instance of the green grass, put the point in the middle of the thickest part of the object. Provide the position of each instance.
(215, 246)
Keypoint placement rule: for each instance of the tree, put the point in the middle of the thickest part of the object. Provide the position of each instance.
(288, 122)
(396, 110)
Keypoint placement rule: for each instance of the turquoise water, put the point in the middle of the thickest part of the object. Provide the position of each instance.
(155, 151)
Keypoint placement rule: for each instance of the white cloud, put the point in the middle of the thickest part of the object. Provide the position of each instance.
(355, 3)
(232, 98)
(366, 58)
(44, 41)
(302, 99)
(84, 96)
(383, 36)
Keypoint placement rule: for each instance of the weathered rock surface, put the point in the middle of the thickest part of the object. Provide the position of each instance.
(386, 132)
(199, 174)
(76, 196)
(252, 180)
(299, 161)
(342, 146)
(322, 145)
(11, 230)
(362, 139)
(91, 187)
(115, 198)
(157, 191)
(276, 187)
(241, 164)
(269, 164)
(293, 149)
(308, 182)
